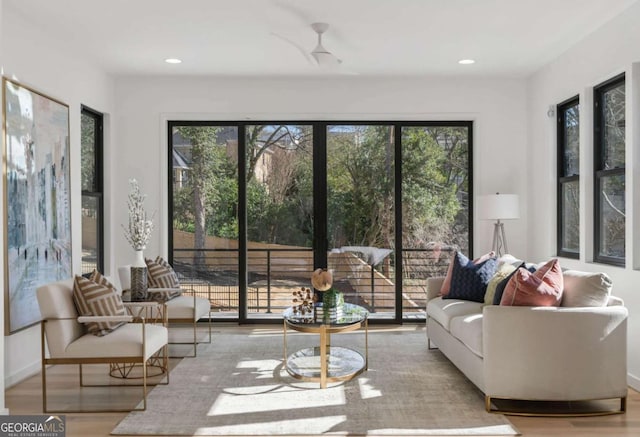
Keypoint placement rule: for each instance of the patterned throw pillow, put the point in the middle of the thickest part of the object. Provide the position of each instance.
(99, 278)
(446, 284)
(469, 280)
(542, 288)
(162, 275)
(93, 299)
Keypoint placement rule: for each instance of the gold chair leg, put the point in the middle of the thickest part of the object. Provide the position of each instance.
(195, 339)
(44, 387)
(144, 385)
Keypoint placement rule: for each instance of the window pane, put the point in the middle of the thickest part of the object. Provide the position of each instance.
(435, 204)
(571, 141)
(613, 118)
(205, 222)
(279, 214)
(435, 192)
(360, 214)
(91, 215)
(570, 217)
(612, 214)
(88, 152)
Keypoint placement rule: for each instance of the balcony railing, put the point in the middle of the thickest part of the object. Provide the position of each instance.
(275, 273)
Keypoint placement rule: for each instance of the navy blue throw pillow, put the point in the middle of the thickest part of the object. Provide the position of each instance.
(468, 280)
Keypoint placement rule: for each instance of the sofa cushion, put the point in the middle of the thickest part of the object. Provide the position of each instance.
(182, 307)
(502, 272)
(468, 329)
(123, 342)
(93, 299)
(542, 288)
(443, 310)
(469, 280)
(585, 289)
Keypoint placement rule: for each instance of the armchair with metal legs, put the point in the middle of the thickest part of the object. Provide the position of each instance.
(69, 342)
(187, 308)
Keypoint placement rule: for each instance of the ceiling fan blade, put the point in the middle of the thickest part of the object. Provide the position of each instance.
(296, 45)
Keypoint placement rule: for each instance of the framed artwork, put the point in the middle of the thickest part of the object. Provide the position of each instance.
(37, 204)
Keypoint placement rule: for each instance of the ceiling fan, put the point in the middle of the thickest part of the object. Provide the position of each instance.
(323, 57)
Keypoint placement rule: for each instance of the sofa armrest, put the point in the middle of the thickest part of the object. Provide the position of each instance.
(555, 353)
(434, 285)
(615, 301)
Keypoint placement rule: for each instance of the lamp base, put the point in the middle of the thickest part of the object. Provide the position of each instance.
(499, 239)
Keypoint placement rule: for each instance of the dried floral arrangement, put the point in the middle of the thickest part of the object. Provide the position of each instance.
(140, 227)
(302, 302)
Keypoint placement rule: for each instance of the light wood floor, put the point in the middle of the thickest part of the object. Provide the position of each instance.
(26, 398)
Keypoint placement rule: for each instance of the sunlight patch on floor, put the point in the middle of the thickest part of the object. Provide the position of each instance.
(366, 390)
(274, 398)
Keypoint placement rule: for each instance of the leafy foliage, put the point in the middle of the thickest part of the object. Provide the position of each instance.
(360, 180)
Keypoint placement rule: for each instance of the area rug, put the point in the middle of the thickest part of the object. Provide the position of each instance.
(237, 386)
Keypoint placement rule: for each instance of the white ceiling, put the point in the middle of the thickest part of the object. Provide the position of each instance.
(511, 38)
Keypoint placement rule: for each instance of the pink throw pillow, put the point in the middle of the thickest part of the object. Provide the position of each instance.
(542, 288)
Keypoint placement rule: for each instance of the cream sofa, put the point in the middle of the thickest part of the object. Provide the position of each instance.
(533, 353)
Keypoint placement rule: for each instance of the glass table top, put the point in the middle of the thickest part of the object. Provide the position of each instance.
(351, 314)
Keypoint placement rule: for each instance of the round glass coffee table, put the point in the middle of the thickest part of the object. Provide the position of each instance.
(325, 363)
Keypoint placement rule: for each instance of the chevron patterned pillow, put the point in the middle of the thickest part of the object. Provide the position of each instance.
(99, 278)
(93, 299)
(161, 274)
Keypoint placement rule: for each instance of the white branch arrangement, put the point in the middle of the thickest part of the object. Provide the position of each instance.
(139, 230)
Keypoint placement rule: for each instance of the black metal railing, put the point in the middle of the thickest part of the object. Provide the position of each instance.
(275, 273)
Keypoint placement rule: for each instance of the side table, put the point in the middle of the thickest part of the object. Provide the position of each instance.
(326, 363)
(149, 312)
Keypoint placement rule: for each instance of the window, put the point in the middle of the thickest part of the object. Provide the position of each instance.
(609, 180)
(569, 178)
(92, 186)
(255, 207)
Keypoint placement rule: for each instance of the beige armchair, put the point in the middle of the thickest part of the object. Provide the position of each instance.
(69, 342)
(187, 308)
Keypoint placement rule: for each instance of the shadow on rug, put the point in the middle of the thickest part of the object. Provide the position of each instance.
(237, 386)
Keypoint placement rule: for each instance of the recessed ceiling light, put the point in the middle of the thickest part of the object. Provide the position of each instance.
(466, 61)
(173, 61)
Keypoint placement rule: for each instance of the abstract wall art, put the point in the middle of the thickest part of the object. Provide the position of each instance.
(37, 209)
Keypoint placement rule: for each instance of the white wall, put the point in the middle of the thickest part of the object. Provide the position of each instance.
(32, 58)
(611, 50)
(497, 107)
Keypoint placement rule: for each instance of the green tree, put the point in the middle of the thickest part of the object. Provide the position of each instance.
(203, 167)
(430, 204)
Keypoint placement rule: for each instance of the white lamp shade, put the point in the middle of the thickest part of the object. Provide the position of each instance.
(499, 207)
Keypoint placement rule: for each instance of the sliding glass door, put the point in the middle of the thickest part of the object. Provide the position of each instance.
(383, 204)
(279, 200)
(204, 213)
(361, 214)
(436, 163)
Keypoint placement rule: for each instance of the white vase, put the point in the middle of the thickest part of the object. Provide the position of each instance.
(138, 261)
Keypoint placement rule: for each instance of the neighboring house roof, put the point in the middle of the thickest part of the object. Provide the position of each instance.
(179, 161)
